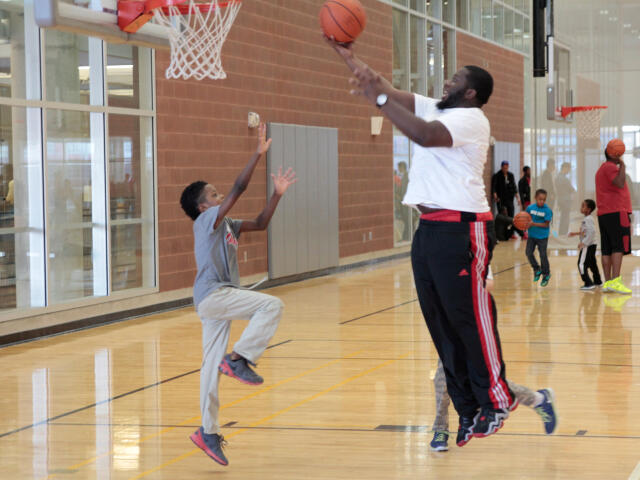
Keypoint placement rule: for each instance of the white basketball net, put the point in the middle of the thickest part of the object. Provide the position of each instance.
(196, 37)
(588, 122)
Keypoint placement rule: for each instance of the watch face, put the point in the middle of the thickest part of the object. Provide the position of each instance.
(382, 99)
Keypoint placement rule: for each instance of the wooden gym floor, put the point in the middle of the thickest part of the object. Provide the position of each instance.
(347, 393)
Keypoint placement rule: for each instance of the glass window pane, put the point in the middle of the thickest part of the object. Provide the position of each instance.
(508, 28)
(69, 213)
(498, 23)
(21, 230)
(518, 30)
(417, 55)
(475, 16)
(418, 5)
(487, 19)
(400, 47)
(449, 11)
(448, 53)
(526, 34)
(131, 200)
(67, 67)
(401, 2)
(402, 225)
(462, 12)
(129, 76)
(12, 52)
(434, 8)
(434, 60)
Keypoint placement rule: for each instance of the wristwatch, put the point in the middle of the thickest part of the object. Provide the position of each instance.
(381, 100)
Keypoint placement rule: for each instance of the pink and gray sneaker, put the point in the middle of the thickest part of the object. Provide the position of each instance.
(240, 370)
(211, 444)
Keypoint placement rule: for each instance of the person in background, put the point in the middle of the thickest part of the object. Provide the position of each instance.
(548, 182)
(587, 257)
(565, 192)
(541, 215)
(524, 187)
(503, 189)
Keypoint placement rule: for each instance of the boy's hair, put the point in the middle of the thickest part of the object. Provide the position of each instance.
(539, 191)
(192, 197)
(591, 205)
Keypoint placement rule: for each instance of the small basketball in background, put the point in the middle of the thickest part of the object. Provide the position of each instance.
(522, 221)
(343, 20)
(615, 148)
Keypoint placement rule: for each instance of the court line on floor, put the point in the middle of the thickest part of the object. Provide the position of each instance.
(272, 416)
(377, 312)
(111, 399)
(227, 405)
(635, 475)
(411, 301)
(377, 429)
(420, 359)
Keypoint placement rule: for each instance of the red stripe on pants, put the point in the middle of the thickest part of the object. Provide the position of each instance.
(498, 391)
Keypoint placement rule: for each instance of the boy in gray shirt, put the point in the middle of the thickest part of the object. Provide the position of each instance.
(587, 257)
(218, 297)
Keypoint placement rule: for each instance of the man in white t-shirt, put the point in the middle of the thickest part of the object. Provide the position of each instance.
(452, 247)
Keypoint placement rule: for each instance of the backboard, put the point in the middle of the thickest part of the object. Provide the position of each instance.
(97, 18)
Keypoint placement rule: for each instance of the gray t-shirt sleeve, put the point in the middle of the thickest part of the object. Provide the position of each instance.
(207, 219)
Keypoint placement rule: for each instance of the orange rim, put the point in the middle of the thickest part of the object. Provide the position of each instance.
(181, 8)
(566, 111)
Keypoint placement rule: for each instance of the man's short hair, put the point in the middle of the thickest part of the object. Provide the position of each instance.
(525, 168)
(539, 191)
(504, 162)
(481, 81)
(192, 197)
(591, 205)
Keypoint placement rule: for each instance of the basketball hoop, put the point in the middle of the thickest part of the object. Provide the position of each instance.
(197, 30)
(587, 119)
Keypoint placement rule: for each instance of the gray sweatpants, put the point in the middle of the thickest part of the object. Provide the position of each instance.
(441, 423)
(216, 312)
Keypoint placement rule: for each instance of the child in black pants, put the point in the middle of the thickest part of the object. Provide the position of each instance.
(587, 258)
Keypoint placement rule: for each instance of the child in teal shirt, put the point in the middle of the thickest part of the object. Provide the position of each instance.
(541, 216)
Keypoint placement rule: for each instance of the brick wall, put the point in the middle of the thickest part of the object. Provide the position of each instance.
(505, 109)
(278, 66)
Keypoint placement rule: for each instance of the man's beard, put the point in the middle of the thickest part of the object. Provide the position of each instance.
(453, 100)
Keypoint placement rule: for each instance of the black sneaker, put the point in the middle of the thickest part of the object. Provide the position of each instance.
(211, 444)
(465, 430)
(490, 420)
(240, 370)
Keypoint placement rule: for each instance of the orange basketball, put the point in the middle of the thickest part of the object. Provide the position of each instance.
(522, 220)
(343, 20)
(615, 148)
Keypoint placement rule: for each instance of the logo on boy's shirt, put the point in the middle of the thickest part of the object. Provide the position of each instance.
(231, 238)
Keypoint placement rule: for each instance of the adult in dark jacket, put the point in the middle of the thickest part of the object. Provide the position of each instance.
(503, 189)
(524, 188)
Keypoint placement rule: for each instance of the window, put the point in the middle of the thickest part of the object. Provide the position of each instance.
(487, 19)
(77, 212)
(462, 12)
(475, 16)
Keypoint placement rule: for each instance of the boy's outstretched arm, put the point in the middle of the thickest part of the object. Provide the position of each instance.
(241, 183)
(281, 182)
